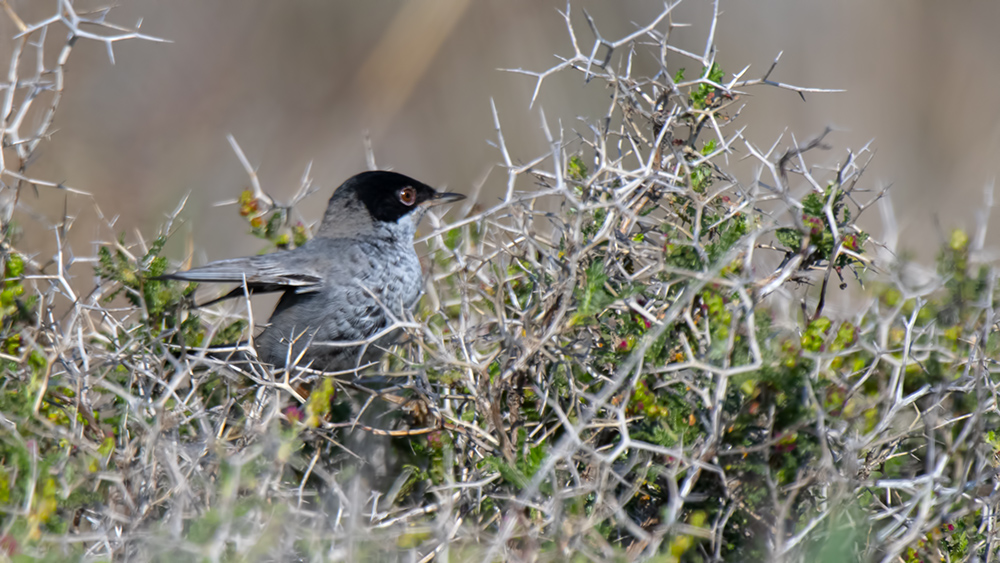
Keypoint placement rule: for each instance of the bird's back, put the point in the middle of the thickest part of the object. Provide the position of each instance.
(368, 281)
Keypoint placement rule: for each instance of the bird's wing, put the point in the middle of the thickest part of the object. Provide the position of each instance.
(269, 272)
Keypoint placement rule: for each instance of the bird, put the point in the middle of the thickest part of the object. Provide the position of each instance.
(344, 285)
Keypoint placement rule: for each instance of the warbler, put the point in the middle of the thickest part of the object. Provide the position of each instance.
(344, 285)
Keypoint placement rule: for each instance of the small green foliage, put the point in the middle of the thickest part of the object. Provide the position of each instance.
(958, 241)
(592, 297)
(814, 336)
(137, 277)
(453, 238)
(845, 336)
(682, 543)
(318, 406)
(701, 174)
(790, 238)
(299, 234)
(160, 299)
(577, 169)
(816, 230)
(271, 223)
(231, 333)
(729, 234)
(701, 178)
(16, 311)
(707, 95)
(13, 308)
(520, 473)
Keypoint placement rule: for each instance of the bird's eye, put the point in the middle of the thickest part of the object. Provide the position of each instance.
(407, 196)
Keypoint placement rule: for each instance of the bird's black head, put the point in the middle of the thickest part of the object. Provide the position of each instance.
(389, 196)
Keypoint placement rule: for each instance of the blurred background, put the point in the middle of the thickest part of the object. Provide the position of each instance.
(302, 80)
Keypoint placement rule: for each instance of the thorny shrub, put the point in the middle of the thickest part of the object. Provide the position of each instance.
(607, 364)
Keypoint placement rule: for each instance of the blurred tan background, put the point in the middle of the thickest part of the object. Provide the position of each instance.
(303, 80)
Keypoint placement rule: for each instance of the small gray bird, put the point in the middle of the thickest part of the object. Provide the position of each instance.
(345, 283)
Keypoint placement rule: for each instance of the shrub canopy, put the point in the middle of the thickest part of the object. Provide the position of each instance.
(629, 356)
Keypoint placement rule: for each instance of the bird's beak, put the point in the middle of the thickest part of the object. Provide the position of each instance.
(441, 198)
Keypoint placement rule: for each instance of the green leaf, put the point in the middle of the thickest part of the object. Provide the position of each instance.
(576, 169)
(593, 297)
(790, 238)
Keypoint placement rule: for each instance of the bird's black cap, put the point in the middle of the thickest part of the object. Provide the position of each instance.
(389, 196)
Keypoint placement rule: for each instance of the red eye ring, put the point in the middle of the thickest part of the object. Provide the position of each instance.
(407, 196)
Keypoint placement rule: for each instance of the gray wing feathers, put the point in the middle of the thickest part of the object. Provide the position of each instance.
(270, 272)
